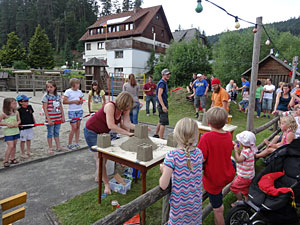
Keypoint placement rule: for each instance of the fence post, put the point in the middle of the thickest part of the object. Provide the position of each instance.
(61, 83)
(165, 209)
(17, 82)
(33, 83)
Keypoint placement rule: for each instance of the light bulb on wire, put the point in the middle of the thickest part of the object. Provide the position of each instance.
(199, 7)
(268, 42)
(277, 54)
(237, 24)
(255, 29)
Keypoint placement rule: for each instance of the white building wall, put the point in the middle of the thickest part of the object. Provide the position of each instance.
(94, 52)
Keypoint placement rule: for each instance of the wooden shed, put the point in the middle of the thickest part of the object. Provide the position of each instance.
(274, 68)
(95, 70)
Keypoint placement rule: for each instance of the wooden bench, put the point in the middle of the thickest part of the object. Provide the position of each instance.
(9, 203)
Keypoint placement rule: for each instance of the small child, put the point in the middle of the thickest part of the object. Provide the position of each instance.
(11, 119)
(96, 97)
(216, 147)
(288, 126)
(184, 166)
(245, 164)
(26, 133)
(54, 114)
(73, 97)
(245, 101)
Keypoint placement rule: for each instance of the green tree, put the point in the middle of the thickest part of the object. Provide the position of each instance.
(40, 53)
(12, 51)
(126, 5)
(183, 59)
(106, 7)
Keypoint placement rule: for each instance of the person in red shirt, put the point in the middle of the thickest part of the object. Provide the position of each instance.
(218, 167)
(150, 89)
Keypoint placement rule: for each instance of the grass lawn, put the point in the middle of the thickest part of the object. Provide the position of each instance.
(84, 209)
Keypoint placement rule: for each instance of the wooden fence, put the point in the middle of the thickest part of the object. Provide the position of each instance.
(124, 213)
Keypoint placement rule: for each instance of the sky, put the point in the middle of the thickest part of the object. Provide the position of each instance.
(213, 20)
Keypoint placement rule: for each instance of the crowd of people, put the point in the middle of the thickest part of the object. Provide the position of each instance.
(190, 168)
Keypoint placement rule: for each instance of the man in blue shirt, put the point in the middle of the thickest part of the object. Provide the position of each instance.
(162, 103)
(200, 89)
(245, 83)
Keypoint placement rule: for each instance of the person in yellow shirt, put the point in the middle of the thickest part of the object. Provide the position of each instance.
(96, 97)
(220, 96)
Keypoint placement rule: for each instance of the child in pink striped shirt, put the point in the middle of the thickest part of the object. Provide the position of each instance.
(244, 152)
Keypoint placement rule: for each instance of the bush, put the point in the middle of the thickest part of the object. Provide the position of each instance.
(20, 65)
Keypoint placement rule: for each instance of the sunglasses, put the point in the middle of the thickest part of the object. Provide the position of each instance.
(24, 100)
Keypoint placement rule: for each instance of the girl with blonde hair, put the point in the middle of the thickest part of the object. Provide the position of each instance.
(184, 166)
(288, 126)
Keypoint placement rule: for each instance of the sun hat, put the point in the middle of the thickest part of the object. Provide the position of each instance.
(215, 81)
(247, 138)
(22, 97)
(199, 75)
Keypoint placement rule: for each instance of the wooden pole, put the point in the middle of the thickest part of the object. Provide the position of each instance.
(165, 209)
(33, 83)
(254, 73)
(295, 63)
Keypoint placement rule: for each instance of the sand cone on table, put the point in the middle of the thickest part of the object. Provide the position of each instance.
(204, 119)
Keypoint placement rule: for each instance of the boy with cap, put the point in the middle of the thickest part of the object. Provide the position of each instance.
(26, 133)
(162, 103)
(200, 88)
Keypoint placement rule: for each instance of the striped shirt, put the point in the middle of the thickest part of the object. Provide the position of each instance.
(53, 106)
(186, 193)
(246, 169)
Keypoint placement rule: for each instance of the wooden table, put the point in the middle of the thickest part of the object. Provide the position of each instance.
(203, 129)
(115, 153)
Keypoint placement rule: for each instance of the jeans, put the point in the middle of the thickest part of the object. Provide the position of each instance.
(150, 98)
(90, 138)
(53, 130)
(134, 113)
(258, 106)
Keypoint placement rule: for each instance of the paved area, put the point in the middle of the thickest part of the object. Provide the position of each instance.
(50, 182)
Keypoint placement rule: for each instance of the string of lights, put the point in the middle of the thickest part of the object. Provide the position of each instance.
(269, 41)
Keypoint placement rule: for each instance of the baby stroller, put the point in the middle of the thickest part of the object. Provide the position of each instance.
(266, 209)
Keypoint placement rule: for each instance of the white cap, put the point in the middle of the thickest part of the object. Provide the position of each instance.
(199, 75)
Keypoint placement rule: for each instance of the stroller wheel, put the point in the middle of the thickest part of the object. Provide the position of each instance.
(238, 215)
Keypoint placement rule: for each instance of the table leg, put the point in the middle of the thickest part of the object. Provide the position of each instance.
(143, 173)
(100, 176)
(135, 175)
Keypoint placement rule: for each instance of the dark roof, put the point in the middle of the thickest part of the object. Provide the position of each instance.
(277, 60)
(186, 35)
(95, 62)
(145, 15)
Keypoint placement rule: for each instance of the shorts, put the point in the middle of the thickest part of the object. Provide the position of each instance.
(163, 116)
(75, 114)
(26, 135)
(244, 103)
(90, 138)
(267, 104)
(12, 137)
(201, 99)
(241, 185)
(216, 200)
(53, 130)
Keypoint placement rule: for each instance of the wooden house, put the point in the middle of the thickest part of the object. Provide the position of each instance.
(274, 68)
(126, 40)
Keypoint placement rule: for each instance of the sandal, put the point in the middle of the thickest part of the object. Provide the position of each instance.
(6, 164)
(50, 151)
(61, 149)
(29, 154)
(14, 161)
(24, 156)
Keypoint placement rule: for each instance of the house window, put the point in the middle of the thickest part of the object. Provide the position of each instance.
(88, 46)
(109, 29)
(127, 26)
(101, 30)
(100, 45)
(153, 30)
(157, 17)
(117, 28)
(162, 33)
(118, 54)
(98, 30)
(131, 26)
(118, 70)
(91, 32)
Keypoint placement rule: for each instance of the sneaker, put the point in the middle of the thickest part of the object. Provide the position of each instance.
(154, 114)
(269, 117)
(264, 115)
(70, 147)
(156, 136)
(76, 146)
(148, 115)
(196, 115)
(234, 102)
